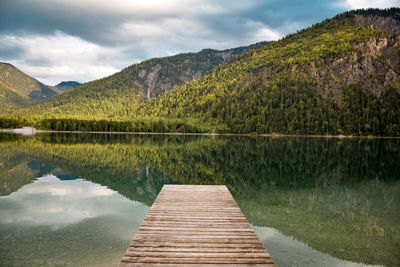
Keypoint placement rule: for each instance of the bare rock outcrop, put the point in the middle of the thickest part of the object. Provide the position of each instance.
(367, 65)
(152, 79)
(386, 23)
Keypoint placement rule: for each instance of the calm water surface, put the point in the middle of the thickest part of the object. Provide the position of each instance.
(78, 199)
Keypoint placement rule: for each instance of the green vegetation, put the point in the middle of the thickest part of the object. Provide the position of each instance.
(155, 125)
(119, 95)
(344, 222)
(23, 85)
(337, 195)
(278, 88)
(336, 77)
(10, 98)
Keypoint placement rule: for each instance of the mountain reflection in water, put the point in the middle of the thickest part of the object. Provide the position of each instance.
(329, 201)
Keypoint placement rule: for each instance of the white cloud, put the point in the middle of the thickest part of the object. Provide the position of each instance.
(262, 32)
(58, 57)
(50, 201)
(148, 29)
(96, 38)
(356, 4)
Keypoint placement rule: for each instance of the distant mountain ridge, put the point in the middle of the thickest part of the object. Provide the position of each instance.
(63, 86)
(387, 20)
(339, 76)
(20, 89)
(120, 94)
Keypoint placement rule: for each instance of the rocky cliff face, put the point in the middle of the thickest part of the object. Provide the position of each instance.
(157, 76)
(386, 23)
(152, 78)
(374, 64)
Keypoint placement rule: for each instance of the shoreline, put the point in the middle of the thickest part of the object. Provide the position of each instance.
(35, 131)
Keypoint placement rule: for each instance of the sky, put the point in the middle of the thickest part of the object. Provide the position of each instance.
(83, 40)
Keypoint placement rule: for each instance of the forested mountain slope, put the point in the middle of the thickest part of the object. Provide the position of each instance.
(120, 94)
(338, 76)
(24, 85)
(273, 187)
(10, 98)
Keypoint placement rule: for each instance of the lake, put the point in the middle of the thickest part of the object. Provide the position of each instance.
(78, 199)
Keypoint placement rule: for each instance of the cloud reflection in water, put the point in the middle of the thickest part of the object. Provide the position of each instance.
(51, 201)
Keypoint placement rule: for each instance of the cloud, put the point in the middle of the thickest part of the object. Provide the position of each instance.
(356, 4)
(88, 39)
(52, 58)
(49, 201)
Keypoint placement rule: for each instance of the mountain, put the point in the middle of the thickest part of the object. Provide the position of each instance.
(24, 85)
(340, 76)
(16, 171)
(120, 94)
(10, 98)
(63, 86)
(277, 194)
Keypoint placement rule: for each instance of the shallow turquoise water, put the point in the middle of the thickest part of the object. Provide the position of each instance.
(78, 199)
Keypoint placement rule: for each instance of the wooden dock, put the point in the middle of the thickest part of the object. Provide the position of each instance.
(195, 225)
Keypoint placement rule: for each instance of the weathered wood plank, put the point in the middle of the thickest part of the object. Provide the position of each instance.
(187, 254)
(205, 260)
(195, 225)
(197, 229)
(197, 249)
(133, 264)
(177, 244)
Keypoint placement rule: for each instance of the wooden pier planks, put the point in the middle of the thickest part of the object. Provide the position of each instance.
(195, 225)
